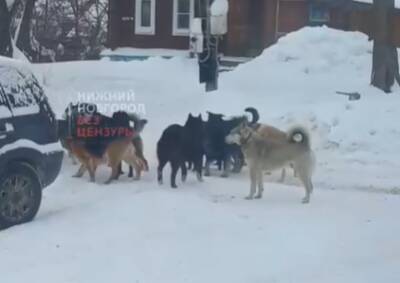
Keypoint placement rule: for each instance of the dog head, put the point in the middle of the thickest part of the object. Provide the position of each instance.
(213, 117)
(140, 125)
(194, 124)
(240, 134)
(79, 108)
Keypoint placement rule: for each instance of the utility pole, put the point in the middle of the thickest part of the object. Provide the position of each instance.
(208, 60)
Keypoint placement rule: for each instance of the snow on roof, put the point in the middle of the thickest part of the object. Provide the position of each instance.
(219, 8)
(396, 2)
(18, 64)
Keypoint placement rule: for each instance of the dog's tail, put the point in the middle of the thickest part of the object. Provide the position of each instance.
(254, 113)
(299, 135)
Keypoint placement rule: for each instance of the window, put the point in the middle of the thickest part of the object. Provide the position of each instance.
(319, 14)
(21, 92)
(183, 15)
(145, 17)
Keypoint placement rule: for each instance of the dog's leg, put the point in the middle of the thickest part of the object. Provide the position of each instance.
(160, 168)
(219, 164)
(253, 183)
(283, 176)
(92, 171)
(81, 171)
(184, 171)
(207, 170)
(260, 182)
(138, 144)
(120, 172)
(72, 157)
(114, 172)
(138, 170)
(305, 178)
(198, 166)
(174, 170)
(227, 167)
(130, 175)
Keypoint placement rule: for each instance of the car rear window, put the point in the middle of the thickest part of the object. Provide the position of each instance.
(22, 91)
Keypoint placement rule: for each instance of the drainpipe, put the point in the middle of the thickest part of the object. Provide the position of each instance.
(277, 19)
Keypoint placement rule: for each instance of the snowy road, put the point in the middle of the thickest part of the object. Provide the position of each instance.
(141, 232)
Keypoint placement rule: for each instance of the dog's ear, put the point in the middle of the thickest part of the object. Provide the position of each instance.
(190, 115)
(200, 117)
(144, 121)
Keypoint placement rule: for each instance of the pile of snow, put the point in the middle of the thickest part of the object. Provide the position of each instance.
(396, 2)
(302, 74)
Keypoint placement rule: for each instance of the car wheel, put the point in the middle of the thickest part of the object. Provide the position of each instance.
(20, 195)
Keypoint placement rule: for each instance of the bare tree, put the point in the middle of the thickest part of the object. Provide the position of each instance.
(71, 29)
(24, 40)
(6, 48)
(385, 64)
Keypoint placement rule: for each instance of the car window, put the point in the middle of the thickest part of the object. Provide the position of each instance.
(21, 90)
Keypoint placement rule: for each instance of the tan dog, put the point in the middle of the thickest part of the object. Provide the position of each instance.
(117, 151)
(271, 133)
(264, 154)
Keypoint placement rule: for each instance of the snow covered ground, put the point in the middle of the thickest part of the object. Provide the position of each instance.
(141, 232)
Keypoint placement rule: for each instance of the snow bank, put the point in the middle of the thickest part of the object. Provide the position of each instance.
(396, 2)
(302, 73)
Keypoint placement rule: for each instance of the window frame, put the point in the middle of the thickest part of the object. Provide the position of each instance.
(142, 30)
(315, 20)
(181, 31)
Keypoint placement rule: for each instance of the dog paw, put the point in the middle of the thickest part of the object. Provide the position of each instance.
(305, 200)
(184, 178)
(224, 175)
(174, 186)
(248, 198)
(258, 197)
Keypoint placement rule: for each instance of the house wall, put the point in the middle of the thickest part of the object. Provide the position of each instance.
(245, 27)
(293, 15)
(396, 29)
(362, 21)
(252, 25)
(123, 26)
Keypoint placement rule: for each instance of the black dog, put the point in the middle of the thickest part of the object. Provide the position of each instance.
(180, 144)
(216, 130)
(95, 130)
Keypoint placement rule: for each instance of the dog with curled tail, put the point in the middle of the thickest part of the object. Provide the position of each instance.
(267, 154)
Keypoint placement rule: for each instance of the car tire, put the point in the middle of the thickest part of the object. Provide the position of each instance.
(20, 195)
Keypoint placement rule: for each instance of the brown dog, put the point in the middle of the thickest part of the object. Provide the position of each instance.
(116, 151)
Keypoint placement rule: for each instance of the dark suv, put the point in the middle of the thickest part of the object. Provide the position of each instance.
(30, 154)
